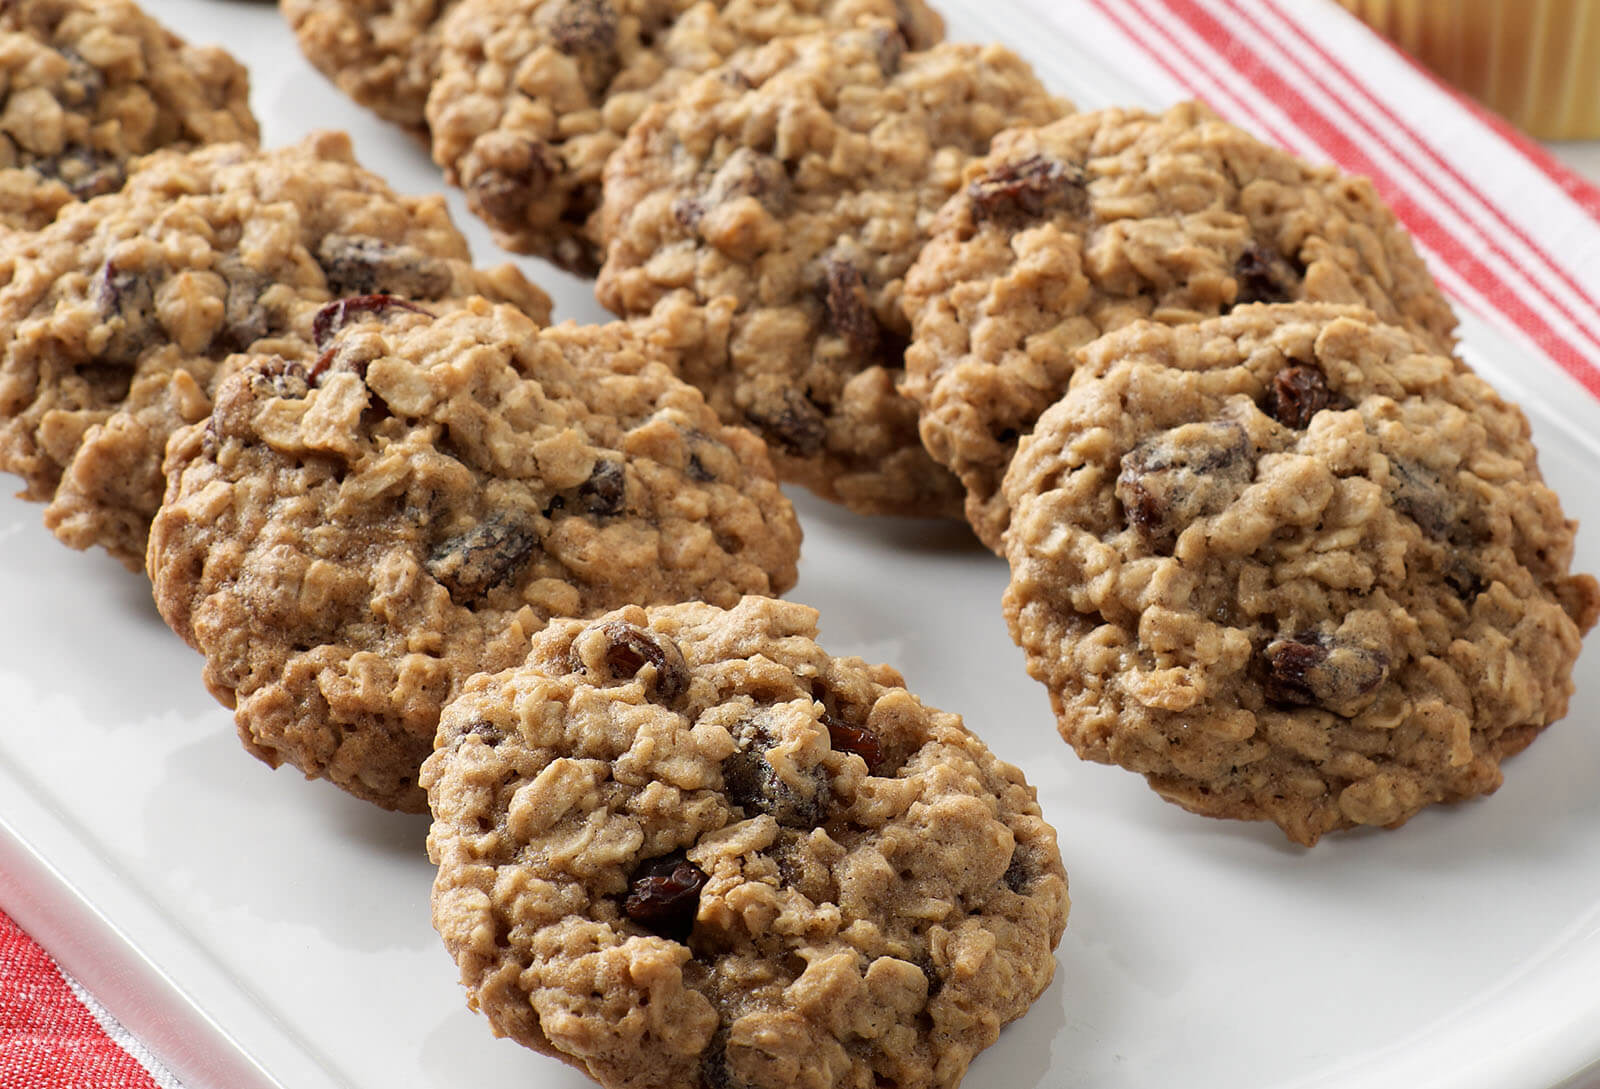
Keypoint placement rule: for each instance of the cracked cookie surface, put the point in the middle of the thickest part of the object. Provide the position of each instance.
(685, 846)
(534, 95)
(347, 542)
(86, 86)
(384, 54)
(1071, 230)
(767, 218)
(1291, 565)
(118, 319)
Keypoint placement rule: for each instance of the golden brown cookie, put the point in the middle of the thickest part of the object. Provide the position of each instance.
(87, 86)
(768, 217)
(533, 96)
(348, 542)
(1291, 564)
(117, 320)
(1074, 229)
(687, 847)
(382, 53)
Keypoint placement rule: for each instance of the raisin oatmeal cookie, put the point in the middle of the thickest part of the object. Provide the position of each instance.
(1071, 230)
(1292, 565)
(347, 542)
(86, 86)
(117, 319)
(687, 847)
(384, 54)
(768, 217)
(534, 95)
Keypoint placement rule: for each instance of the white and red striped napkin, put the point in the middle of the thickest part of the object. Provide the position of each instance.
(55, 1035)
(1513, 237)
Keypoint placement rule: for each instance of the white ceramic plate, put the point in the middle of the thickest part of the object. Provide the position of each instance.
(261, 931)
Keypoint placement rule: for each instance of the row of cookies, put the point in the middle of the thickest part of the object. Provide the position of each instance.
(377, 484)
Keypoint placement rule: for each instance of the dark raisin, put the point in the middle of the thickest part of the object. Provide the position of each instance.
(488, 732)
(789, 419)
(688, 212)
(1178, 476)
(714, 1072)
(664, 896)
(1029, 189)
(1020, 873)
(90, 80)
(891, 47)
(1264, 276)
(697, 471)
(339, 313)
(584, 26)
(1298, 393)
(1312, 670)
(748, 173)
(1465, 581)
(505, 190)
(628, 648)
(849, 309)
(605, 493)
(362, 265)
(488, 555)
(753, 784)
(1420, 494)
(126, 301)
(854, 739)
(244, 319)
(86, 172)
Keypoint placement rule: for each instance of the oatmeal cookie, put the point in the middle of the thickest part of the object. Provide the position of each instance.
(768, 218)
(384, 54)
(534, 95)
(348, 542)
(1071, 230)
(117, 319)
(1291, 564)
(687, 847)
(86, 86)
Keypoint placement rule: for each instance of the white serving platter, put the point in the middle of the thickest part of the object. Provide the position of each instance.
(262, 932)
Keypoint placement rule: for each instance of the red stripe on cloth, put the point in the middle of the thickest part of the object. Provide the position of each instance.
(1487, 209)
(1414, 214)
(48, 1040)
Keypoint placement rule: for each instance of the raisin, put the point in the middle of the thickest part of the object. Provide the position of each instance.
(714, 1072)
(244, 320)
(688, 212)
(504, 191)
(1420, 494)
(584, 26)
(1464, 581)
(488, 555)
(748, 173)
(1020, 873)
(790, 420)
(697, 471)
(86, 172)
(1264, 276)
(1298, 393)
(664, 896)
(91, 81)
(339, 313)
(891, 46)
(1029, 189)
(1173, 478)
(362, 265)
(605, 493)
(753, 784)
(1312, 670)
(127, 302)
(849, 310)
(854, 739)
(628, 649)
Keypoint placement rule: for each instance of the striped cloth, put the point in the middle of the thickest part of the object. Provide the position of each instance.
(1512, 236)
(54, 1035)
